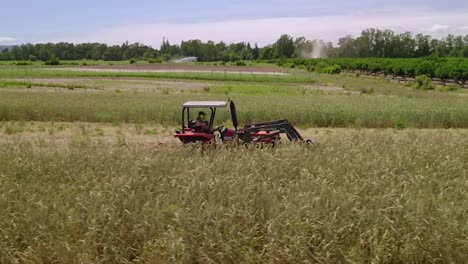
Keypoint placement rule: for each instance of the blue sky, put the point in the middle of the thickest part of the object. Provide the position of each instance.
(260, 21)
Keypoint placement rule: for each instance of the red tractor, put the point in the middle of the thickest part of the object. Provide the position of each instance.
(265, 132)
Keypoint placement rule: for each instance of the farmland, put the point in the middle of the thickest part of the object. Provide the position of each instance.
(90, 172)
(310, 99)
(455, 69)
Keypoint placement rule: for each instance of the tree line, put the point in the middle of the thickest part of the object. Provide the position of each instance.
(371, 43)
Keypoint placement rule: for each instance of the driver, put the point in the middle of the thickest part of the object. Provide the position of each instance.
(201, 121)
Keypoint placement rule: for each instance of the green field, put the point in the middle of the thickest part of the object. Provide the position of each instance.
(315, 110)
(306, 99)
(90, 172)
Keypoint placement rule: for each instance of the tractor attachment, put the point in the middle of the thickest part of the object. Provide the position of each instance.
(268, 131)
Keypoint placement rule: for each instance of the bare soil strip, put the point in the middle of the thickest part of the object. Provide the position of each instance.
(147, 135)
(188, 67)
(198, 69)
(117, 83)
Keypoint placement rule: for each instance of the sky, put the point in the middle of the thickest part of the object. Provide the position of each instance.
(260, 21)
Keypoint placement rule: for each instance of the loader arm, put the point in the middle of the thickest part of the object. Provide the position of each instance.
(277, 127)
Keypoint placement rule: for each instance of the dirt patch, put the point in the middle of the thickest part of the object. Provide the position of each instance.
(49, 89)
(111, 84)
(269, 70)
(188, 67)
(331, 89)
(64, 133)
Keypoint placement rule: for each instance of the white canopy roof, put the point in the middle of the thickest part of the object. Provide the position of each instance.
(205, 104)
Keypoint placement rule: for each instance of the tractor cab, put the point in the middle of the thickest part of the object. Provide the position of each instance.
(196, 130)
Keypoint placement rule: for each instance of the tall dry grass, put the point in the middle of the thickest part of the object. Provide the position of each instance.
(361, 197)
(312, 110)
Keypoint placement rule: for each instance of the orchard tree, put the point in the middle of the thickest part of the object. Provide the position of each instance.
(398, 70)
(460, 73)
(425, 67)
(443, 72)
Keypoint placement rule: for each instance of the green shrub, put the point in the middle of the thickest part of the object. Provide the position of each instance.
(365, 90)
(423, 82)
(155, 60)
(334, 69)
(99, 131)
(400, 125)
(448, 88)
(150, 131)
(281, 61)
(240, 63)
(52, 61)
(23, 63)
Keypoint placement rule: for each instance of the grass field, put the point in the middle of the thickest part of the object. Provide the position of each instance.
(209, 76)
(380, 196)
(308, 100)
(316, 110)
(90, 172)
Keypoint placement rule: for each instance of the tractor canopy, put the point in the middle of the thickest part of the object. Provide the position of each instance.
(212, 105)
(205, 104)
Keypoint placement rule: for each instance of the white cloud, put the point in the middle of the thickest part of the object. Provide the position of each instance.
(265, 31)
(438, 28)
(7, 40)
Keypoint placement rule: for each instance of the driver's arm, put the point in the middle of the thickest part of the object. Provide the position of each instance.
(203, 124)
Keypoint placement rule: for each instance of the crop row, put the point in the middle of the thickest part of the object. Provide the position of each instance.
(444, 69)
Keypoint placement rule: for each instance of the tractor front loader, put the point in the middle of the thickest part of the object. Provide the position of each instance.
(266, 131)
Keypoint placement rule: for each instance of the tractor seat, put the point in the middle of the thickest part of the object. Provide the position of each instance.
(192, 123)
